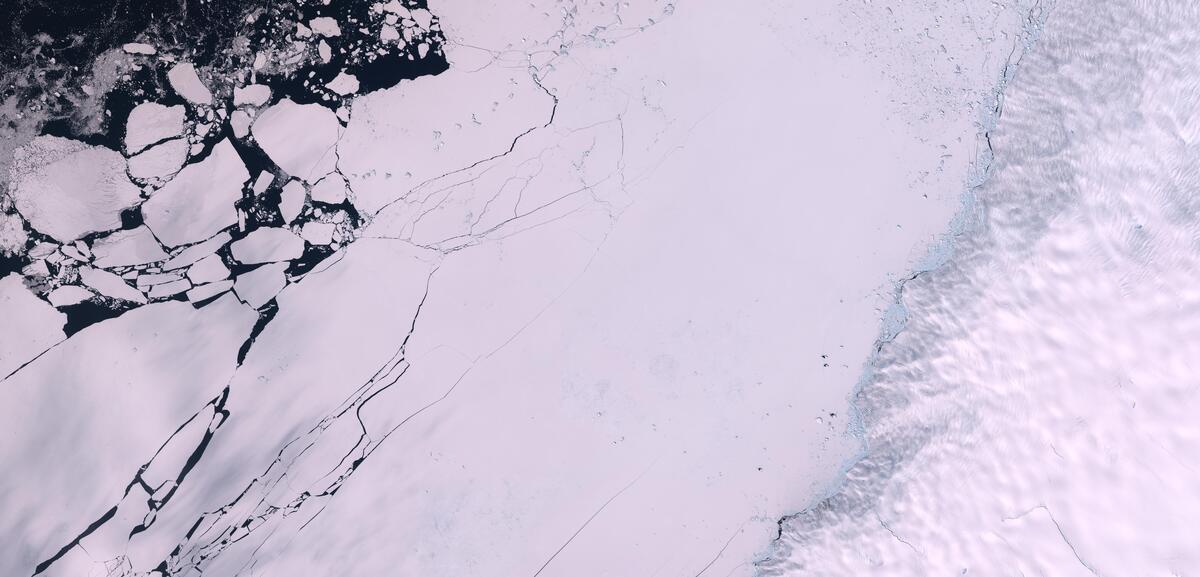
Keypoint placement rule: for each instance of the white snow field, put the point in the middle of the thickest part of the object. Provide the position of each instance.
(616, 284)
(1037, 415)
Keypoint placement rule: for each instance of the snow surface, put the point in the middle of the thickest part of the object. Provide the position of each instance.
(30, 325)
(98, 406)
(1037, 415)
(613, 289)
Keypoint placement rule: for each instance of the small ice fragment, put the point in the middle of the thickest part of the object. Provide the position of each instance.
(267, 245)
(110, 285)
(291, 201)
(169, 289)
(184, 80)
(139, 48)
(207, 291)
(128, 248)
(67, 295)
(343, 84)
(208, 269)
(152, 122)
(331, 190)
(318, 233)
(252, 95)
(159, 162)
(197, 251)
(257, 287)
(325, 26)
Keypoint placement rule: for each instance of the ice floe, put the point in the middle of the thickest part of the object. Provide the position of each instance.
(127, 248)
(203, 292)
(67, 189)
(257, 287)
(252, 95)
(139, 48)
(191, 254)
(330, 190)
(267, 245)
(151, 122)
(343, 84)
(208, 269)
(300, 138)
(168, 289)
(187, 83)
(291, 201)
(325, 26)
(318, 233)
(160, 162)
(68, 295)
(110, 285)
(199, 201)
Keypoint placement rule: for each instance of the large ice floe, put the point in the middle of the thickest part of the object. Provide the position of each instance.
(488, 289)
(67, 189)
